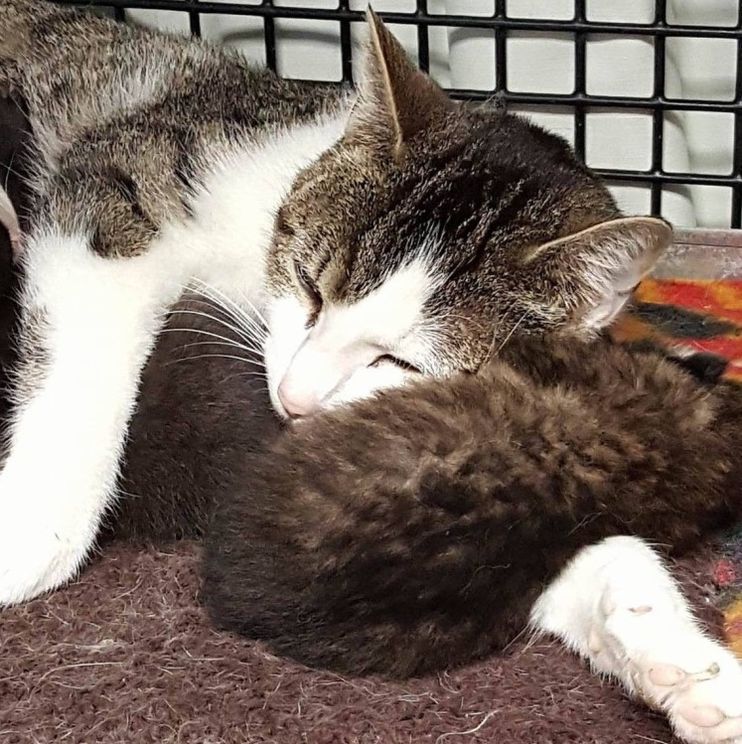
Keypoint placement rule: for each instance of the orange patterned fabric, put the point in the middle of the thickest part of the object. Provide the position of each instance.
(708, 302)
(705, 316)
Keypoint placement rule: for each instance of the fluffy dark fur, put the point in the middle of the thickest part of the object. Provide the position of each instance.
(415, 531)
(197, 418)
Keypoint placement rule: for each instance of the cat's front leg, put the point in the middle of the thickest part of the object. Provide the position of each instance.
(89, 325)
(617, 605)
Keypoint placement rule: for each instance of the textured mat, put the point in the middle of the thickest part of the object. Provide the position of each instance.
(125, 655)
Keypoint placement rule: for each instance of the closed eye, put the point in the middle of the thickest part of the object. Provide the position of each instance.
(389, 359)
(310, 289)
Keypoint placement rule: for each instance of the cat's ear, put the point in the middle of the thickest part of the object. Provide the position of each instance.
(395, 99)
(588, 277)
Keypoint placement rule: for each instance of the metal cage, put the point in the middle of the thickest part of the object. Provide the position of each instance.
(502, 24)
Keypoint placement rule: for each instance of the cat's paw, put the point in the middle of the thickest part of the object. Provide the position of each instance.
(662, 657)
(36, 555)
(32, 562)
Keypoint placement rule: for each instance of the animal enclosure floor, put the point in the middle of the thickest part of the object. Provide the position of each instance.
(125, 654)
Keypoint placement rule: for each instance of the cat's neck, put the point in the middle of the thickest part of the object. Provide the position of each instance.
(243, 186)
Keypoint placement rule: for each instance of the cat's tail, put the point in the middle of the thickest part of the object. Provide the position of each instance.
(415, 531)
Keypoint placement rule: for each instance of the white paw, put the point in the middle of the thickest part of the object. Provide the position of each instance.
(33, 560)
(38, 549)
(653, 646)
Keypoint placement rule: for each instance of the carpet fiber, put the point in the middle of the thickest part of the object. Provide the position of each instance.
(126, 655)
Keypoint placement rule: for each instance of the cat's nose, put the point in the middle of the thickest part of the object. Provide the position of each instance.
(297, 403)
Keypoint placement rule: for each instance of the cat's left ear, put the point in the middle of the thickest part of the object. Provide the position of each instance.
(588, 277)
(395, 99)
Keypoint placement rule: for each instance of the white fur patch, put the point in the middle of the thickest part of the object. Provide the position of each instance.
(101, 318)
(331, 363)
(234, 210)
(617, 605)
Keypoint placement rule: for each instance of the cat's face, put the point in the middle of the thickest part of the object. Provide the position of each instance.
(428, 236)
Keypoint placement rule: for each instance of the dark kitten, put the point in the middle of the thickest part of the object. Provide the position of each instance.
(199, 413)
(416, 531)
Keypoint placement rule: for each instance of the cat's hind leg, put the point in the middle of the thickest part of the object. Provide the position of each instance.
(89, 324)
(617, 605)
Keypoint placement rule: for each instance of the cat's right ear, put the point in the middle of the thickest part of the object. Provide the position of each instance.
(395, 99)
(586, 278)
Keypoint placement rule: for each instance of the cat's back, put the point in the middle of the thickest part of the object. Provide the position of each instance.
(131, 122)
(83, 75)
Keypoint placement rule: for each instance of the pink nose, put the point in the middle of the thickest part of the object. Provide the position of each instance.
(297, 403)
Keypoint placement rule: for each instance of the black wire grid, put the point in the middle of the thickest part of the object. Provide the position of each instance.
(501, 24)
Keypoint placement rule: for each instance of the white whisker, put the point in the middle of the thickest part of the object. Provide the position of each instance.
(213, 343)
(241, 327)
(224, 339)
(216, 294)
(260, 375)
(220, 321)
(219, 356)
(512, 331)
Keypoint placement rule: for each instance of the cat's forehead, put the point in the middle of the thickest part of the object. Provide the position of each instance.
(387, 263)
(390, 311)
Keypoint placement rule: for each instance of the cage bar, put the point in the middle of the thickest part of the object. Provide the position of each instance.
(500, 23)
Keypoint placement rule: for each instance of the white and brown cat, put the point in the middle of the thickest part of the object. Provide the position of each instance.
(390, 238)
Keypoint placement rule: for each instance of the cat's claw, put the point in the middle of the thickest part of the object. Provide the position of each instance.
(666, 660)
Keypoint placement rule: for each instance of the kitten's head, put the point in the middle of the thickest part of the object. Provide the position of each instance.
(430, 234)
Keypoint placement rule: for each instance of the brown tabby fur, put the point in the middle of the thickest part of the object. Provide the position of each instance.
(415, 531)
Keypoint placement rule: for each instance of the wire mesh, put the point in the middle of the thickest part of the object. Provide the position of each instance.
(503, 25)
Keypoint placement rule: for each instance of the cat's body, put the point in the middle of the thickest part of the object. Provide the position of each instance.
(386, 238)
(417, 530)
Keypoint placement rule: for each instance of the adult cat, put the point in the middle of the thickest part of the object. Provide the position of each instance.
(386, 237)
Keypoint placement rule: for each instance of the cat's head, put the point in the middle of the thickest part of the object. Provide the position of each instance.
(429, 235)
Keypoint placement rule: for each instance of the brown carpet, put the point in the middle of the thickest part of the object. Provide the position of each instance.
(126, 655)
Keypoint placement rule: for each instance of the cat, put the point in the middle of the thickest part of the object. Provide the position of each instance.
(418, 530)
(386, 238)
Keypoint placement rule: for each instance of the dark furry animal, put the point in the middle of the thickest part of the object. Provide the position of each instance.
(415, 531)
(198, 416)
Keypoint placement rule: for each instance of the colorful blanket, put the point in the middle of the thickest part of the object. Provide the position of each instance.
(703, 315)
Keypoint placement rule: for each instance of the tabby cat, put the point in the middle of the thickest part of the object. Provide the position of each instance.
(388, 239)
